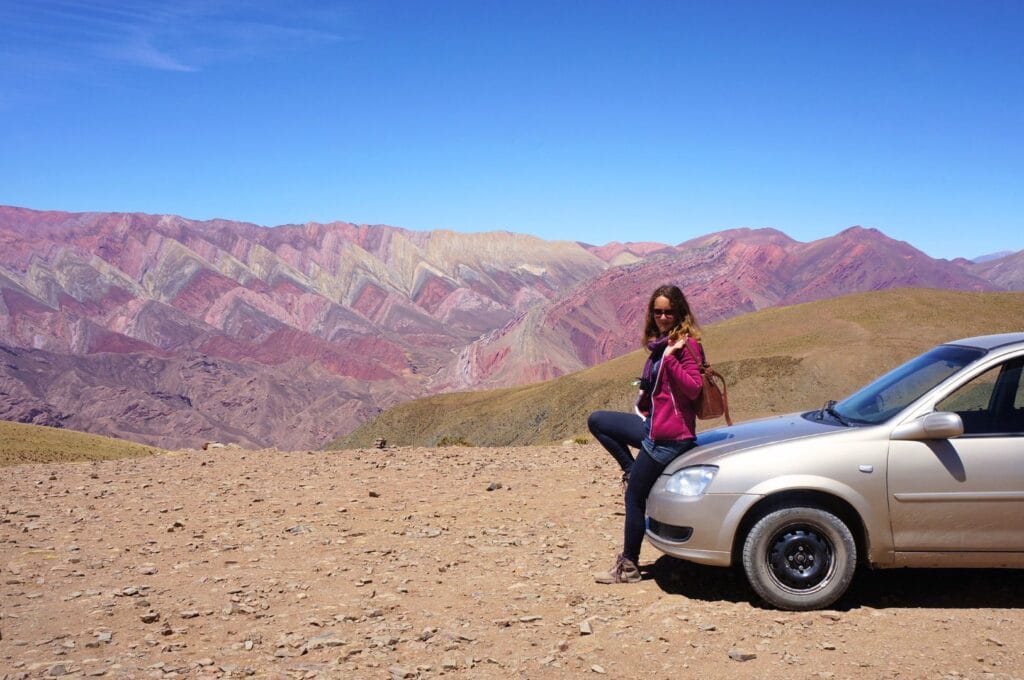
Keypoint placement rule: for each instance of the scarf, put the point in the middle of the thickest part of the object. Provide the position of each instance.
(657, 349)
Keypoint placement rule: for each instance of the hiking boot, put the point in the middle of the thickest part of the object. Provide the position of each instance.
(624, 571)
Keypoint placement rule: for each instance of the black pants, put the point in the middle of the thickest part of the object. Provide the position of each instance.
(642, 477)
(617, 432)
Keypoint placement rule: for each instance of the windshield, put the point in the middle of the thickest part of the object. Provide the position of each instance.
(894, 391)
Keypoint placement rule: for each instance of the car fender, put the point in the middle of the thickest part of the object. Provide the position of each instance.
(874, 514)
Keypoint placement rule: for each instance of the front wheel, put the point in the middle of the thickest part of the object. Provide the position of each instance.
(799, 558)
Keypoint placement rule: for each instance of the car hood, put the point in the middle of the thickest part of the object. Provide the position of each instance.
(714, 444)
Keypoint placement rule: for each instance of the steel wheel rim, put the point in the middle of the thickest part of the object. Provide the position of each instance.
(801, 558)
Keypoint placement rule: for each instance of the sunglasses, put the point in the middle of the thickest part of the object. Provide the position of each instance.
(662, 312)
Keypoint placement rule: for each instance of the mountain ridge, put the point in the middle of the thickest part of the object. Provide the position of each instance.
(775, 360)
(723, 274)
(383, 314)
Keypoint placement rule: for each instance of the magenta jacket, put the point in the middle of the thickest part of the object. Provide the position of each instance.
(669, 404)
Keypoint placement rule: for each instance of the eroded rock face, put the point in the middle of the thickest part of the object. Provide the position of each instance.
(180, 401)
(87, 283)
(340, 317)
(723, 275)
(1006, 271)
(322, 325)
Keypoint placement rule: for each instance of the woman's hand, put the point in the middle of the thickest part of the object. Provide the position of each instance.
(678, 344)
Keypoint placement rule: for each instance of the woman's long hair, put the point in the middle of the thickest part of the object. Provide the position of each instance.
(686, 322)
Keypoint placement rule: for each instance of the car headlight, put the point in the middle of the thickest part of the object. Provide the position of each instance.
(691, 481)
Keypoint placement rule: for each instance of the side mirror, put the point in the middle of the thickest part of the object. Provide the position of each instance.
(937, 425)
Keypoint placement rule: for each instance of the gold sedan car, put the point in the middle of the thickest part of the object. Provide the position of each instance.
(924, 467)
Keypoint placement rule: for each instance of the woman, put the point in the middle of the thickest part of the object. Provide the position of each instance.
(665, 426)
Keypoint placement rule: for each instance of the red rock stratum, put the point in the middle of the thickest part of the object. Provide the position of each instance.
(314, 328)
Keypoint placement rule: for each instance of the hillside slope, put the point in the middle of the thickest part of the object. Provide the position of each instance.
(775, 361)
(724, 275)
(20, 443)
(172, 331)
(376, 309)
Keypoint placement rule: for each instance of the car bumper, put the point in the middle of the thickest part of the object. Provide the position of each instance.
(695, 528)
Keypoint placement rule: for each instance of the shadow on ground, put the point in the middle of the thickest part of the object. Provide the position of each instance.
(884, 588)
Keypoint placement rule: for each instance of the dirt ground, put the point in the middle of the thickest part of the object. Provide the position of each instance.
(422, 563)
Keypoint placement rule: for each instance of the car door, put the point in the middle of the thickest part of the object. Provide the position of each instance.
(965, 494)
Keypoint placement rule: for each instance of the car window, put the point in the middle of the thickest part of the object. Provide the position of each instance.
(991, 402)
(1018, 400)
(974, 397)
(898, 394)
(891, 393)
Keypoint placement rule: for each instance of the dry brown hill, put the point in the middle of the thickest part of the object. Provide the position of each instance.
(775, 361)
(20, 443)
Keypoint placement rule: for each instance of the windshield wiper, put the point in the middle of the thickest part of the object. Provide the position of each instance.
(828, 408)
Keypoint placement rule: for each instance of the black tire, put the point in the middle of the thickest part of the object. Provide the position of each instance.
(799, 558)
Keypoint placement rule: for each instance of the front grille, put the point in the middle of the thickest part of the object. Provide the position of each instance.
(669, 532)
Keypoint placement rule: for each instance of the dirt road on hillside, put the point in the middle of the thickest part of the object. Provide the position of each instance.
(425, 563)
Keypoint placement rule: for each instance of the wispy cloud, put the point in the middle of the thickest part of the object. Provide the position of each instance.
(142, 53)
(183, 36)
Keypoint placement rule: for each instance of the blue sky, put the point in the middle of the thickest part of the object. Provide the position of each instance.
(584, 120)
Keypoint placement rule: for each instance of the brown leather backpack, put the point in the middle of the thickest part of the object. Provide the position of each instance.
(713, 400)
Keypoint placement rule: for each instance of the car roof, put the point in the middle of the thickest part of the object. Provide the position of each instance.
(990, 341)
